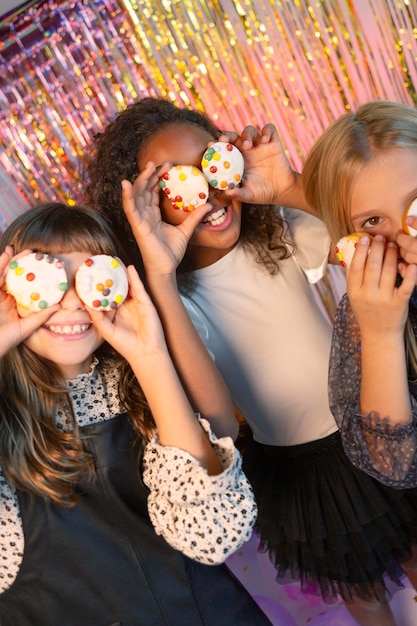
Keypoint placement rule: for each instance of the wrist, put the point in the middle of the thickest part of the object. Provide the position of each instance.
(294, 196)
(383, 334)
(157, 280)
(147, 366)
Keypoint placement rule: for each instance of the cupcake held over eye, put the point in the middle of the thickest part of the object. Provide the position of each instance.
(36, 281)
(346, 246)
(185, 186)
(101, 282)
(410, 211)
(223, 165)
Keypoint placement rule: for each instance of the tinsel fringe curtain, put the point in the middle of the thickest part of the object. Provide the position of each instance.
(68, 67)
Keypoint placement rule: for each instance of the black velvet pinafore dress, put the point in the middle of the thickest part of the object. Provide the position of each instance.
(100, 563)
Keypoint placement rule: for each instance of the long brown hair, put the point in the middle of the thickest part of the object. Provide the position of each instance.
(35, 456)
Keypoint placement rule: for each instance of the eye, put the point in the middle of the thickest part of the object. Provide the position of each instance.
(372, 221)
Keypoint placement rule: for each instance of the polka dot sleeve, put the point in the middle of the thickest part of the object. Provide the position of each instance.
(205, 517)
(11, 535)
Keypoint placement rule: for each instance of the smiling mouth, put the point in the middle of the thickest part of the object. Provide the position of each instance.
(65, 329)
(216, 217)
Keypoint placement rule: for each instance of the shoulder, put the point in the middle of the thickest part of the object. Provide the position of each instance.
(311, 241)
(295, 218)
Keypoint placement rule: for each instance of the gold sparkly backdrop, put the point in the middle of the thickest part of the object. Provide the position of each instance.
(68, 67)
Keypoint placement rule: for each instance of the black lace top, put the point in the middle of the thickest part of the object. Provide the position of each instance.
(383, 450)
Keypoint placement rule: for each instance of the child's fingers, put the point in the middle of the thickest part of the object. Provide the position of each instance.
(145, 182)
(402, 269)
(390, 266)
(411, 221)
(142, 198)
(148, 180)
(251, 136)
(409, 276)
(129, 206)
(128, 198)
(227, 136)
(32, 322)
(105, 324)
(408, 247)
(136, 287)
(248, 138)
(244, 141)
(193, 219)
(5, 258)
(407, 241)
(102, 322)
(133, 202)
(376, 254)
(23, 253)
(355, 274)
(269, 133)
(137, 292)
(4, 296)
(7, 255)
(369, 256)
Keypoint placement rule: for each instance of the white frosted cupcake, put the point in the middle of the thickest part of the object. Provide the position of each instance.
(411, 211)
(223, 165)
(101, 282)
(36, 281)
(185, 186)
(346, 246)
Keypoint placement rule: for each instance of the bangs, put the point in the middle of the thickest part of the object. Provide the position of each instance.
(61, 229)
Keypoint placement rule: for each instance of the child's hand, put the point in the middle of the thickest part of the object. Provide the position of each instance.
(13, 328)
(379, 306)
(135, 331)
(162, 245)
(408, 244)
(268, 177)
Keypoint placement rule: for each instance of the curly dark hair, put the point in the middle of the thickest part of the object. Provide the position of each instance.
(114, 156)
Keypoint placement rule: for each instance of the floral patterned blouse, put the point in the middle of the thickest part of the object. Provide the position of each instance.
(385, 451)
(182, 499)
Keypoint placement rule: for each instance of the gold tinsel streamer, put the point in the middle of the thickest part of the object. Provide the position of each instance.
(66, 68)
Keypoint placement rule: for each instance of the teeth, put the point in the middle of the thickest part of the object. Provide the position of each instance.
(217, 217)
(69, 330)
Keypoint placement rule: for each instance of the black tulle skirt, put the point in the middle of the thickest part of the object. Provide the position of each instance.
(322, 520)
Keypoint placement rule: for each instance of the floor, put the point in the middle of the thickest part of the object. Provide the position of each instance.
(286, 605)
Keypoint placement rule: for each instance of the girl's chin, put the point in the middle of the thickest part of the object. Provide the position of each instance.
(72, 370)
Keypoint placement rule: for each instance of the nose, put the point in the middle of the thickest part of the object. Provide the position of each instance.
(213, 193)
(71, 300)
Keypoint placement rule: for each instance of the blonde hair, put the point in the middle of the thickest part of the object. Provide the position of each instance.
(339, 156)
(35, 456)
(345, 148)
